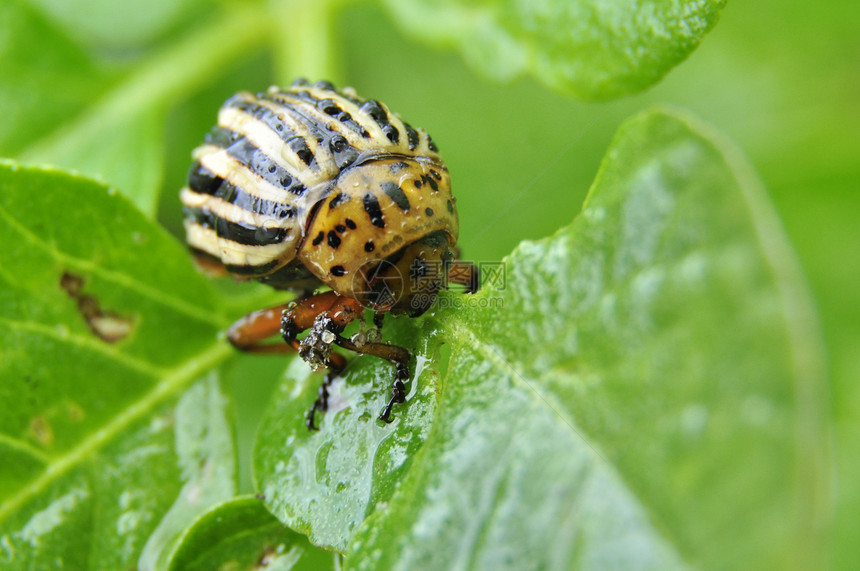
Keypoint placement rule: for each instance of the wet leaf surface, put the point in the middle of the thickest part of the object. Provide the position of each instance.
(100, 438)
(647, 391)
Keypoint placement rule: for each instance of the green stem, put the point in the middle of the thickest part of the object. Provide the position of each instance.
(168, 75)
(303, 40)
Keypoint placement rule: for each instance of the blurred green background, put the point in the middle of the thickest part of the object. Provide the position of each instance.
(780, 78)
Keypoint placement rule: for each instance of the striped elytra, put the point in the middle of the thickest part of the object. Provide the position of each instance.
(311, 185)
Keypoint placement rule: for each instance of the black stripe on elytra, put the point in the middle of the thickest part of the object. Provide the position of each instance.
(412, 136)
(221, 137)
(247, 234)
(267, 208)
(198, 216)
(198, 253)
(258, 162)
(300, 147)
(252, 270)
(371, 206)
(264, 114)
(396, 194)
(202, 180)
(316, 116)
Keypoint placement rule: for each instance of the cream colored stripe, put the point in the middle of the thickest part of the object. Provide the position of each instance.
(322, 154)
(423, 146)
(403, 141)
(355, 139)
(269, 142)
(363, 119)
(282, 112)
(230, 212)
(229, 252)
(220, 163)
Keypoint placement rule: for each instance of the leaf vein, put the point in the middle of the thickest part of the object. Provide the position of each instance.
(160, 297)
(84, 342)
(170, 384)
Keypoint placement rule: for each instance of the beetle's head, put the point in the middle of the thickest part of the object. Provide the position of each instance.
(408, 281)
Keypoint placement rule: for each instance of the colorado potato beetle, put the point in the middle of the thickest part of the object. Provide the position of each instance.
(311, 186)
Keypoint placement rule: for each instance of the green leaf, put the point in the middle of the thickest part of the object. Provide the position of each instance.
(643, 390)
(103, 325)
(46, 78)
(110, 24)
(241, 534)
(124, 152)
(594, 50)
(206, 454)
(117, 135)
(324, 484)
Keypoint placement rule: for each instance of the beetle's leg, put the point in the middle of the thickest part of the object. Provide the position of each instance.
(336, 364)
(322, 312)
(466, 274)
(248, 333)
(394, 354)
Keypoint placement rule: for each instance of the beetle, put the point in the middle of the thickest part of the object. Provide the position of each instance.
(313, 186)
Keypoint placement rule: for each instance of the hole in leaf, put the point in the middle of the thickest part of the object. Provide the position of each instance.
(106, 325)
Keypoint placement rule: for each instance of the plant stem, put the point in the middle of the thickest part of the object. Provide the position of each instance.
(303, 40)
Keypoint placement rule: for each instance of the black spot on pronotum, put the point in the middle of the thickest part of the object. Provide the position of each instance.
(338, 199)
(248, 234)
(337, 271)
(369, 246)
(435, 174)
(333, 239)
(450, 207)
(432, 183)
(396, 194)
(371, 206)
(350, 224)
(106, 325)
(397, 167)
(428, 211)
(319, 238)
(418, 184)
